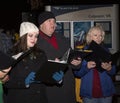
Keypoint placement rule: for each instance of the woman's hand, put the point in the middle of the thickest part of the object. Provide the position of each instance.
(5, 79)
(4, 72)
(91, 64)
(76, 62)
(106, 65)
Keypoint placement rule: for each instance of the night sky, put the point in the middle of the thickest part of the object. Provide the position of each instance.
(11, 13)
(11, 10)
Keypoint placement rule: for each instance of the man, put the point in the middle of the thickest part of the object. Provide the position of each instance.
(55, 45)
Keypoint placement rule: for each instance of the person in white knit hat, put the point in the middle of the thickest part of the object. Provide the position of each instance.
(27, 27)
(22, 88)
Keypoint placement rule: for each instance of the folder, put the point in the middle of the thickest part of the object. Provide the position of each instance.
(74, 54)
(98, 55)
(46, 71)
(71, 54)
(116, 58)
(7, 61)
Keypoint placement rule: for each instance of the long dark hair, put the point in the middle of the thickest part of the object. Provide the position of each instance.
(21, 46)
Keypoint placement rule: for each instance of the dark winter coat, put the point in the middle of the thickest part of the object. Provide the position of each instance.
(17, 91)
(66, 92)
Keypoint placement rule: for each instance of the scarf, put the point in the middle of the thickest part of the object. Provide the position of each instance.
(52, 40)
(96, 90)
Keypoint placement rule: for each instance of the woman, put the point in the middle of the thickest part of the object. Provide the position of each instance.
(96, 82)
(21, 85)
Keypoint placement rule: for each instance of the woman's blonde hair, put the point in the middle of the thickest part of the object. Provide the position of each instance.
(99, 28)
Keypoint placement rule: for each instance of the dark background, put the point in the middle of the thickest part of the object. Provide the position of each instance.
(11, 10)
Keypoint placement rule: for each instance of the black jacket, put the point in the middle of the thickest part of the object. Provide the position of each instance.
(17, 91)
(64, 93)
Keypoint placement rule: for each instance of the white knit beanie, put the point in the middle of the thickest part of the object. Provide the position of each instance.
(27, 27)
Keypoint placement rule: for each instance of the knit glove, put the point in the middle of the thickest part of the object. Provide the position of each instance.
(30, 79)
(58, 76)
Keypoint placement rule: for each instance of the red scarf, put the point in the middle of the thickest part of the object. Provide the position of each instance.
(96, 90)
(52, 40)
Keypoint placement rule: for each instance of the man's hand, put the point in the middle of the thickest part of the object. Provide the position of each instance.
(58, 76)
